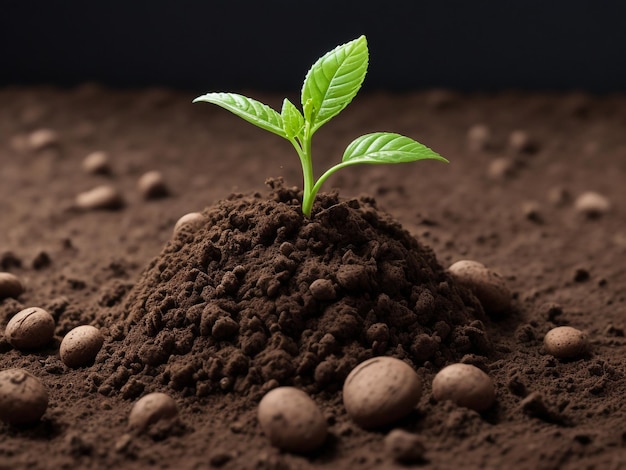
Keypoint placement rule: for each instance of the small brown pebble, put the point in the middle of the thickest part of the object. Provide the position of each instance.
(380, 391)
(532, 211)
(565, 342)
(31, 328)
(100, 197)
(592, 204)
(23, 398)
(10, 286)
(501, 169)
(520, 141)
(291, 420)
(478, 137)
(192, 220)
(152, 185)
(42, 139)
(487, 285)
(404, 447)
(41, 260)
(97, 163)
(150, 409)
(81, 345)
(465, 385)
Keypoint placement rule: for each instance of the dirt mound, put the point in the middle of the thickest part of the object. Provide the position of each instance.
(261, 295)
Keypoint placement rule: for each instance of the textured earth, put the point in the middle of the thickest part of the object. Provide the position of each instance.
(192, 315)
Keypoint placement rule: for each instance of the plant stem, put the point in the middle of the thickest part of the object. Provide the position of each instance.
(308, 194)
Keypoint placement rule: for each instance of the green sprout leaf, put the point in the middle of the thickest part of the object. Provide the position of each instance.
(334, 80)
(293, 121)
(253, 111)
(387, 147)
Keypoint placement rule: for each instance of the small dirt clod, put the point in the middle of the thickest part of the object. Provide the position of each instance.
(81, 345)
(464, 385)
(100, 197)
(97, 163)
(152, 185)
(381, 391)
(23, 397)
(192, 220)
(10, 286)
(31, 328)
(565, 342)
(292, 420)
(487, 285)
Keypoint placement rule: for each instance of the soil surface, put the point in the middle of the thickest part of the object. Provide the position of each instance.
(257, 296)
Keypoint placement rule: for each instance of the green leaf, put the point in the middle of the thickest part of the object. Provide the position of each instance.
(387, 147)
(253, 111)
(335, 79)
(293, 121)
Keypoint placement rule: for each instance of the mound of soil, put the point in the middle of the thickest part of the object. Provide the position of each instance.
(261, 296)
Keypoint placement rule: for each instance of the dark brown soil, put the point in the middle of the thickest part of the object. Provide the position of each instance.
(217, 315)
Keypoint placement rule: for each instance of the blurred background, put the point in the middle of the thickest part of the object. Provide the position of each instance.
(211, 45)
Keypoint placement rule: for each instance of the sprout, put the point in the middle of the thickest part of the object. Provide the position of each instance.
(330, 85)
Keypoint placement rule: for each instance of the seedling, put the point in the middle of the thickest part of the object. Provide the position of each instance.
(330, 85)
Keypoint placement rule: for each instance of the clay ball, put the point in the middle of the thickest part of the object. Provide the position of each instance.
(10, 286)
(465, 385)
(565, 342)
(193, 219)
(487, 285)
(23, 398)
(100, 197)
(42, 139)
(592, 204)
(291, 420)
(381, 391)
(97, 163)
(150, 409)
(478, 137)
(31, 328)
(152, 185)
(81, 346)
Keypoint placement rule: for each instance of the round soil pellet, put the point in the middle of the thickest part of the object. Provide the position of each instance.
(152, 185)
(100, 197)
(465, 385)
(97, 163)
(291, 420)
(565, 342)
(42, 139)
(381, 391)
(192, 220)
(31, 328)
(150, 409)
(81, 346)
(10, 286)
(23, 398)
(487, 285)
(592, 204)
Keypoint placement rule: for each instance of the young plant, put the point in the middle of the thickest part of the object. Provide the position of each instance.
(329, 86)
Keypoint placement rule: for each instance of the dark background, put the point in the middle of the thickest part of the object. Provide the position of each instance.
(234, 45)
